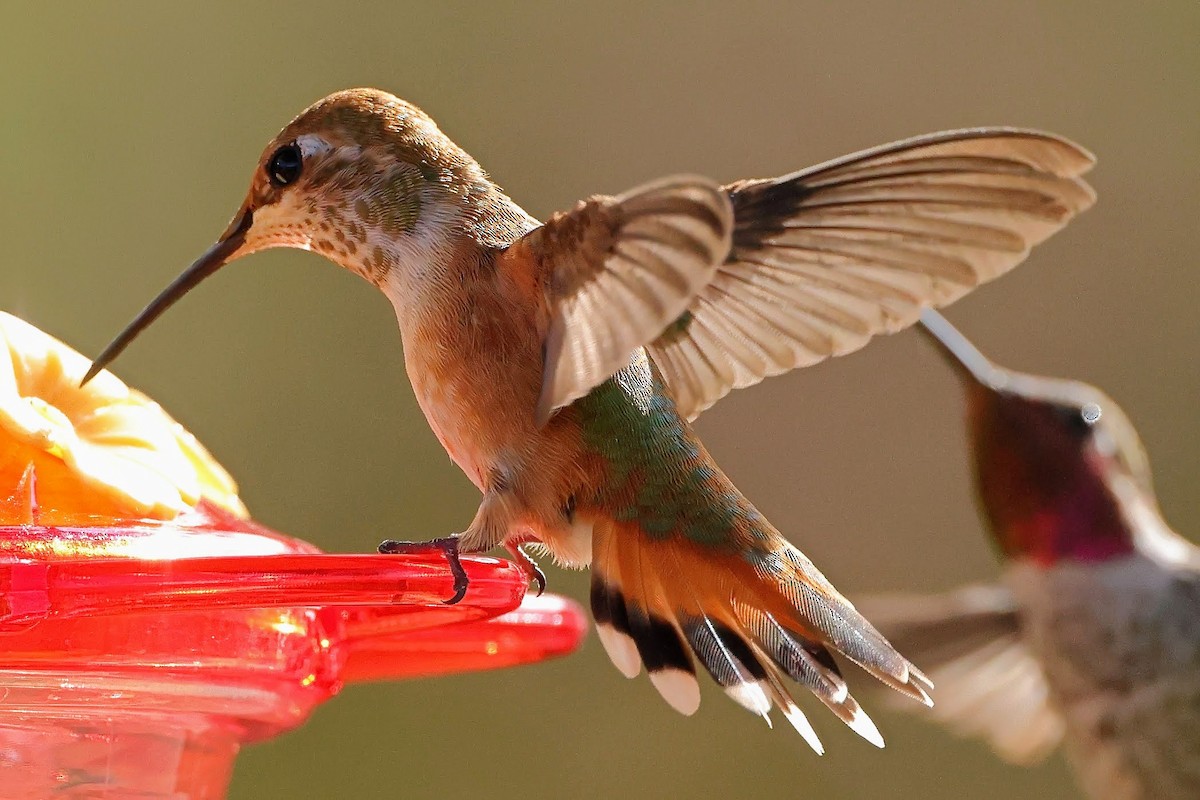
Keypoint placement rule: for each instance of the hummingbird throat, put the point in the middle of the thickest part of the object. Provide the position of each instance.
(1083, 522)
(371, 231)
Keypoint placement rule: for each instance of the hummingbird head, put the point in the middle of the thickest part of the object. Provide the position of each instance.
(1057, 462)
(370, 182)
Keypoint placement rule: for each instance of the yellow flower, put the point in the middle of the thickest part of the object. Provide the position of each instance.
(120, 449)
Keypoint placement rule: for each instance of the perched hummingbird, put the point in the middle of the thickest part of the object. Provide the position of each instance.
(560, 364)
(1094, 638)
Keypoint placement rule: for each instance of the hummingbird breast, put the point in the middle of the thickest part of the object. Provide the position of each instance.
(473, 350)
(1119, 643)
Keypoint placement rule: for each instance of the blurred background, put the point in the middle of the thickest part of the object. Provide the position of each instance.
(126, 142)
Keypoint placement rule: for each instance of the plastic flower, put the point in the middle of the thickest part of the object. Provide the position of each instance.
(103, 447)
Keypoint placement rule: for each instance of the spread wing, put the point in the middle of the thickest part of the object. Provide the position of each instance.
(619, 270)
(988, 684)
(825, 258)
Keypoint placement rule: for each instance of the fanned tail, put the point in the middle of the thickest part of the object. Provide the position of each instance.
(753, 617)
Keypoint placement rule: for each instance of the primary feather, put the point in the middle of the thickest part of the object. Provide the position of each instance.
(825, 258)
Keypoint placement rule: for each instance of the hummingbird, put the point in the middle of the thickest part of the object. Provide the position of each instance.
(1093, 639)
(561, 363)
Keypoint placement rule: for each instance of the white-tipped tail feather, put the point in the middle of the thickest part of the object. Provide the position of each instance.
(678, 688)
(621, 650)
(665, 605)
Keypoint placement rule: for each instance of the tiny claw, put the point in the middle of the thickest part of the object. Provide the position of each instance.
(539, 578)
(447, 546)
(532, 571)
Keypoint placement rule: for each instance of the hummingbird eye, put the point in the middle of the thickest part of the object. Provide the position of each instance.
(1080, 420)
(285, 165)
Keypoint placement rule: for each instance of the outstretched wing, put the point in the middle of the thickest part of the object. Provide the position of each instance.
(618, 271)
(989, 684)
(825, 258)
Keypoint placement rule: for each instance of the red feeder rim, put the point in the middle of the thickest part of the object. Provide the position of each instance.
(209, 631)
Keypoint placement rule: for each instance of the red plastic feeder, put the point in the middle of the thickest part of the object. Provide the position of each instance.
(138, 655)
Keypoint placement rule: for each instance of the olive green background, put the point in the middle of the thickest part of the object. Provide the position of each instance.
(127, 136)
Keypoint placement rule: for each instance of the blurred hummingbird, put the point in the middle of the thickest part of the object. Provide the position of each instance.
(560, 364)
(1094, 638)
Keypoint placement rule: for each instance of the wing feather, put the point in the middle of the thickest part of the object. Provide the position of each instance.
(989, 683)
(619, 270)
(826, 258)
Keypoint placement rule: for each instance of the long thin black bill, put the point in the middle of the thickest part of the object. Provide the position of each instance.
(958, 348)
(212, 260)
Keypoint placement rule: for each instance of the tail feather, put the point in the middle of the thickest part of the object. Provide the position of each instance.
(637, 634)
(845, 629)
(658, 635)
(731, 663)
(811, 665)
(791, 712)
(751, 622)
(794, 655)
(661, 645)
(612, 620)
(727, 657)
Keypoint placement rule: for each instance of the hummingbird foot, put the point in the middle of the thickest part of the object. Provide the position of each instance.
(532, 571)
(447, 546)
